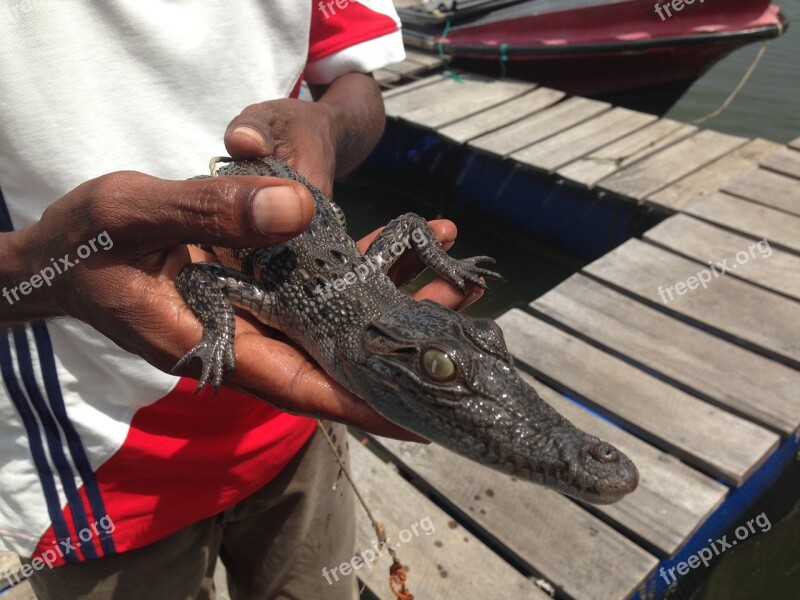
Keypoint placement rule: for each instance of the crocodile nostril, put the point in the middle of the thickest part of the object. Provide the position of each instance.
(604, 453)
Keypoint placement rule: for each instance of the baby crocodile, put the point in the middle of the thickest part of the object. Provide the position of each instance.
(442, 375)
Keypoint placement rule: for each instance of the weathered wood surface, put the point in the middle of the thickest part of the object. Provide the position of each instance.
(429, 60)
(460, 100)
(572, 549)
(768, 188)
(786, 161)
(576, 142)
(758, 262)
(707, 366)
(384, 76)
(538, 126)
(672, 499)
(406, 68)
(414, 85)
(742, 311)
(440, 565)
(705, 436)
(666, 167)
(499, 116)
(795, 143)
(712, 177)
(623, 153)
(9, 562)
(751, 219)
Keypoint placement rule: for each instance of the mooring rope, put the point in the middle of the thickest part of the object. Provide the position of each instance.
(397, 574)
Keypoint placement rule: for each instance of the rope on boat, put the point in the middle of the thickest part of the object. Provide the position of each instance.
(712, 115)
(745, 78)
(503, 59)
(440, 47)
(397, 574)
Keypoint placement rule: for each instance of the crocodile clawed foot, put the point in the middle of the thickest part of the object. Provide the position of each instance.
(217, 357)
(466, 269)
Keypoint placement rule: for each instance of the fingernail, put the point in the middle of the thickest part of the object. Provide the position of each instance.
(252, 134)
(277, 209)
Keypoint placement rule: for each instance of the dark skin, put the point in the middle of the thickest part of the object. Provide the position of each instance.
(128, 292)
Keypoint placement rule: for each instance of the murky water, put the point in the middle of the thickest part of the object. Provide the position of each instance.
(769, 105)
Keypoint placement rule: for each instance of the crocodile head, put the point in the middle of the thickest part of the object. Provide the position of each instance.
(450, 379)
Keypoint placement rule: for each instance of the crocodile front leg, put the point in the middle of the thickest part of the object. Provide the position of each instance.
(412, 231)
(212, 291)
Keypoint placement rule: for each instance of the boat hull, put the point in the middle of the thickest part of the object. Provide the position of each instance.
(603, 49)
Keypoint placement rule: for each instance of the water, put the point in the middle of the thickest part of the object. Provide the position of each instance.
(769, 105)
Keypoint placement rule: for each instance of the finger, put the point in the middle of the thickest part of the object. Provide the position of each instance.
(237, 212)
(246, 138)
(445, 293)
(298, 386)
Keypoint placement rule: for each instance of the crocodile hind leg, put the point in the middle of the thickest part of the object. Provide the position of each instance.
(412, 231)
(212, 291)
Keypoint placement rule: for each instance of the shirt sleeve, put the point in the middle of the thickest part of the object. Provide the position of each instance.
(349, 36)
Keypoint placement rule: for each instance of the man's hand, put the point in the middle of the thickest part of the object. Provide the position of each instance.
(128, 292)
(320, 139)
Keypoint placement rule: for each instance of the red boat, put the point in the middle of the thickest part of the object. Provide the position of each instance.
(636, 50)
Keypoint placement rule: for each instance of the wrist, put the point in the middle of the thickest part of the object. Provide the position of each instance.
(25, 279)
(355, 113)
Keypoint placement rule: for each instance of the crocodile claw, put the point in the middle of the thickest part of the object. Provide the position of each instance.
(466, 269)
(216, 354)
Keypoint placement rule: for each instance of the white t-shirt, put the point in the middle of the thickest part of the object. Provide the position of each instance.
(99, 451)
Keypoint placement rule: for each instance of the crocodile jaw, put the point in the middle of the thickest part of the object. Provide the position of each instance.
(484, 411)
(518, 434)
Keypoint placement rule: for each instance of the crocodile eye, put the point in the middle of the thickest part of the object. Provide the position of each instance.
(438, 365)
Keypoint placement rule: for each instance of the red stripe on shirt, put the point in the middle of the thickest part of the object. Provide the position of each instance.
(345, 25)
(187, 458)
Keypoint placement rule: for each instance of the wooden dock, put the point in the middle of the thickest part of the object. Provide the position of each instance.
(701, 390)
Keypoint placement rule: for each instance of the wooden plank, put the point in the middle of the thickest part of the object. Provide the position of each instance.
(742, 311)
(757, 262)
(406, 68)
(428, 59)
(409, 87)
(786, 161)
(702, 435)
(746, 383)
(499, 116)
(768, 188)
(440, 565)
(383, 76)
(9, 562)
(601, 163)
(672, 499)
(466, 99)
(421, 96)
(795, 143)
(573, 550)
(539, 126)
(711, 178)
(754, 220)
(659, 170)
(582, 139)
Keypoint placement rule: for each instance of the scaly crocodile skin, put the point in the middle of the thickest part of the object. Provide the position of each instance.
(444, 376)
